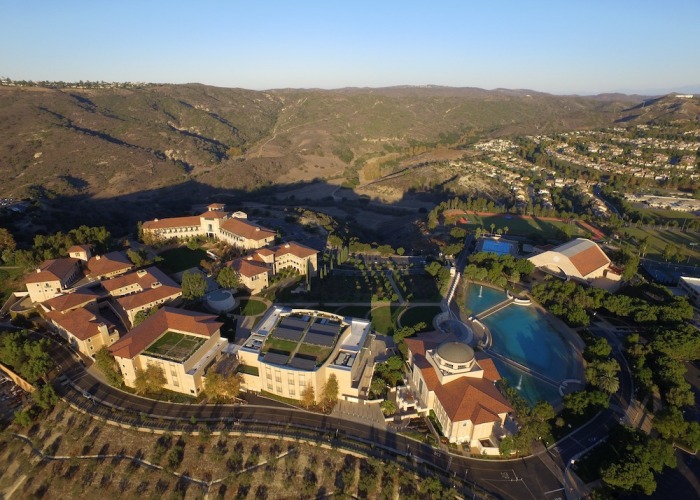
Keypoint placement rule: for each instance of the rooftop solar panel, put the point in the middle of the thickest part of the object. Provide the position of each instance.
(294, 323)
(287, 333)
(319, 339)
(333, 329)
(303, 363)
(276, 358)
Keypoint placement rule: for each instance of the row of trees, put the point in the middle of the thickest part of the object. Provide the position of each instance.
(499, 270)
(27, 357)
(53, 246)
(327, 399)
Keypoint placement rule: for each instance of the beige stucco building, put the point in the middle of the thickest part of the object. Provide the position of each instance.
(324, 344)
(183, 344)
(579, 259)
(52, 278)
(233, 228)
(459, 387)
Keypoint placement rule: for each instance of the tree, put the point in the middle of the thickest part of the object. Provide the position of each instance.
(228, 278)
(38, 361)
(377, 387)
(45, 397)
(218, 387)
(578, 402)
(151, 379)
(141, 316)
(194, 286)
(140, 258)
(308, 396)
(670, 423)
(105, 362)
(388, 407)
(329, 393)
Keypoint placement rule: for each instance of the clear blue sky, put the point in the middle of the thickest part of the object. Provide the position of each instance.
(558, 46)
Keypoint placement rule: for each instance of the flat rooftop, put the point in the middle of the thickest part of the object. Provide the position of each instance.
(174, 346)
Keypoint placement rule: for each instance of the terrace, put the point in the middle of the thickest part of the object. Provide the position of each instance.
(303, 341)
(174, 346)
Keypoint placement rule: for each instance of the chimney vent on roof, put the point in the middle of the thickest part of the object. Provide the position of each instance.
(141, 273)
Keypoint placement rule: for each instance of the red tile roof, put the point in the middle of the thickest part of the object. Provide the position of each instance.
(80, 248)
(101, 265)
(81, 323)
(474, 399)
(589, 260)
(418, 348)
(248, 268)
(53, 270)
(295, 249)
(71, 300)
(148, 296)
(215, 214)
(247, 230)
(172, 222)
(167, 318)
(144, 278)
(487, 364)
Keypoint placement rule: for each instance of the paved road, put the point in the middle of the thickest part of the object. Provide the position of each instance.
(531, 477)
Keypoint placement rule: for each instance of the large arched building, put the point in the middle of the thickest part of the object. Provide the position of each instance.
(578, 259)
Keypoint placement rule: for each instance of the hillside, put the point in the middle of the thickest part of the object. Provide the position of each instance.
(167, 145)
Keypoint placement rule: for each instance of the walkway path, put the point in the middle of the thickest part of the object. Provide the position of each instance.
(493, 309)
(523, 368)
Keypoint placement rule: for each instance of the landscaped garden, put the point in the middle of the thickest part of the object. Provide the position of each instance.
(179, 259)
(250, 307)
(420, 314)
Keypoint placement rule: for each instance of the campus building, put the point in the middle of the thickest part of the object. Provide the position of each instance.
(255, 269)
(579, 259)
(691, 286)
(109, 265)
(233, 228)
(183, 344)
(52, 278)
(291, 350)
(141, 291)
(459, 387)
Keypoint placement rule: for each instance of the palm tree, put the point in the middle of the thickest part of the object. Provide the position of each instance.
(505, 229)
(493, 227)
(608, 383)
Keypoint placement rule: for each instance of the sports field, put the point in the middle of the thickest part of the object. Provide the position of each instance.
(687, 242)
(523, 226)
(174, 346)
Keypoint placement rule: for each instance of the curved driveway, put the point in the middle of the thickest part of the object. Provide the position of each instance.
(533, 477)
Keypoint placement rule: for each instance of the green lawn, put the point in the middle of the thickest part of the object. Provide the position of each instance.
(523, 227)
(281, 345)
(425, 314)
(175, 345)
(251, 307)
(384, 319)
(320, 353)
(659, 238)
(179, 259)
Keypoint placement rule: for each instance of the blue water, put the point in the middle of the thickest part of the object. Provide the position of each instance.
(523, 334)
(489, 298)
(497, 247)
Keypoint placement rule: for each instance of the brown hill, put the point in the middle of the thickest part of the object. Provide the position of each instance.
(110, 142)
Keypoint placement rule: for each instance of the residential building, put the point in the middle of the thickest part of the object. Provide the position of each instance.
(52, 278)
(252, 274)
(183, 344)
(459, 386)
(84, 328)
(80, 252)
(109, 265)
(141, 291)
(291, 350)
(232, 228)
(255, 270)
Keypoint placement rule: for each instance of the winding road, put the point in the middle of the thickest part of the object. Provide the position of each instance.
(533, 477)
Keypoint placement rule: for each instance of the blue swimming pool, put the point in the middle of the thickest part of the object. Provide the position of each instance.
(524, 335)
(497, 247)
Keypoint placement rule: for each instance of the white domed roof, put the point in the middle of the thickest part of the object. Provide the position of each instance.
(455, 352)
